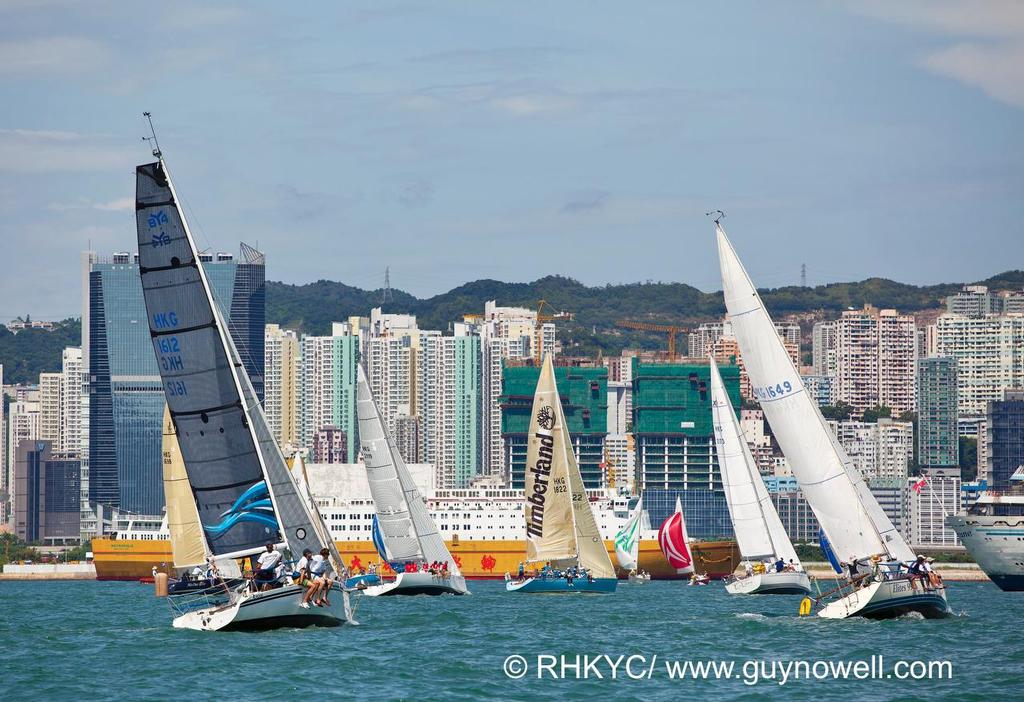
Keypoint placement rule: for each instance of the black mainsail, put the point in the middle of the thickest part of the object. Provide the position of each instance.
(242, 487)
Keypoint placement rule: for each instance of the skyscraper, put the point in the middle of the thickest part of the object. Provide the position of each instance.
(451, 406)
(989, 351)
(282, 356)
(823, 347)
(125, 392)
(937, 439)
(875, 355)
(327, 389)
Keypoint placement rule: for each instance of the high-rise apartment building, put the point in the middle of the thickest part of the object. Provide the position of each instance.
(880, 451)
(394, 365)
(451, 406)
(979, 301)
(875, 356)
(937, 437)
(327, 388)
(282, 355)
(126, 397)
(505, 333)
(824, 338)
(930, 504)
(989, 351)
(821, 387)
(51, 387)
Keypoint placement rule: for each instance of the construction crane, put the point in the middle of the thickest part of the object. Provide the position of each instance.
(542, 319)
(670, 329)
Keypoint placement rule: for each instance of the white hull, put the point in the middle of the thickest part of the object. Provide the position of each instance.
(267, 610)
(890, 598)
(639, 579)
(419, 584)
(997, 545)
(784, 583)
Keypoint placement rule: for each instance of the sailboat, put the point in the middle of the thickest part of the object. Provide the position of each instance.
(403, 529)
(244, 494)
(850, 516)
(561, 532)
(759, 532)
(675, 545)
(627, 545)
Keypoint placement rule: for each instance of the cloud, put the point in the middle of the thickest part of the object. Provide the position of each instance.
(499, 58)
(586, 201)
(987, 51)
(35, 151)
(52, 55)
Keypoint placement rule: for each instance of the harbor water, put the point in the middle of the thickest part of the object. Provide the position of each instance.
(114, 641)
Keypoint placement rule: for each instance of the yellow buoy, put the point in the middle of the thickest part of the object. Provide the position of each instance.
(805, 606)
(160, 584)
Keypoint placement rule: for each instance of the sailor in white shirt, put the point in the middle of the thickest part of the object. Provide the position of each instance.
(320, 569)
(267, 563)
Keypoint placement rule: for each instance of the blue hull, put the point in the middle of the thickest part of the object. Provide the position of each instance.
(561, 585)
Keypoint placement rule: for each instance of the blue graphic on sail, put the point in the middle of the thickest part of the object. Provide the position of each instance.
(382, 549)
(826, 548)
(253, 505)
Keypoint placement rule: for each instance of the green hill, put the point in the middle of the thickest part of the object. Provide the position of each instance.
(312, 307)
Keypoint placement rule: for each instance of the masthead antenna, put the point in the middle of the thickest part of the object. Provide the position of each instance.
(720, 217)
(152, 136)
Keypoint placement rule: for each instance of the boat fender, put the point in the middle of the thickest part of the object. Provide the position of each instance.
(805, 606)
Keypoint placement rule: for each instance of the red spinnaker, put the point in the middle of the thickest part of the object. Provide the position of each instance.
(672, 539)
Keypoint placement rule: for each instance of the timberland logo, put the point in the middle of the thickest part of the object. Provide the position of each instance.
(546, 418)
(541, 474)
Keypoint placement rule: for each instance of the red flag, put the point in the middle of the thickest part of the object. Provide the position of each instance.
(921, 482)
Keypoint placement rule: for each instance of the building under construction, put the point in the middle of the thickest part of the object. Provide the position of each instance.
(584, 395)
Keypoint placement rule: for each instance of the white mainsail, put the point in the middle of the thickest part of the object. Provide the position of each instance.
(759, 531)
(852, 519)
(627, 541)
(409, 532)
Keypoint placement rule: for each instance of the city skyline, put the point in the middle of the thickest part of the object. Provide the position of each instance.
(398, 137)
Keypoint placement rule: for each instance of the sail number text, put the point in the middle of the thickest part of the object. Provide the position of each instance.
(771, 392)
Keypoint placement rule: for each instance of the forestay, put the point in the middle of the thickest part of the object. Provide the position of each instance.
(835, 490)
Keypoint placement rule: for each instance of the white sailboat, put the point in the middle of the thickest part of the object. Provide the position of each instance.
(627, 545)
(759, 532)
(854, 523)
(410, 541)
(562, 538)
(243, 492)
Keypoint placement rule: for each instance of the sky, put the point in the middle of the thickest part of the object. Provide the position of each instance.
(453, 141)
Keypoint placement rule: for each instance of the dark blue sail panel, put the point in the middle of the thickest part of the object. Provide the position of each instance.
(216, 443)
(829, 552)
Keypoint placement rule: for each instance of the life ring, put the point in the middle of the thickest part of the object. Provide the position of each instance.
(805, 606)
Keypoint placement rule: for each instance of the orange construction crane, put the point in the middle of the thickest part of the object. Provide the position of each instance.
(670, 329)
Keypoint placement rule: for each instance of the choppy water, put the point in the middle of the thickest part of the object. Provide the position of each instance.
(98, 641)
